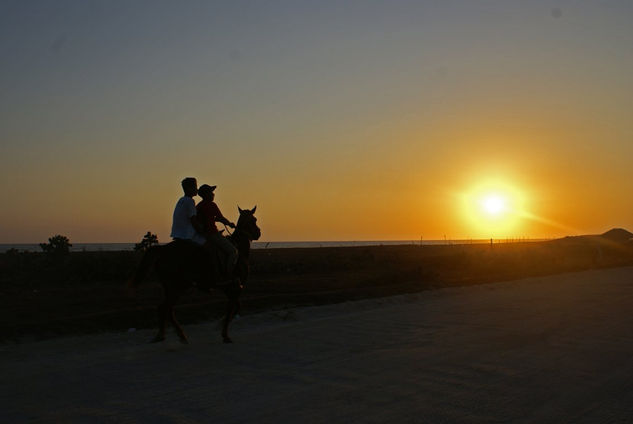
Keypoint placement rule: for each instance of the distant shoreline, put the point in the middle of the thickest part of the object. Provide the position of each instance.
(117, 247)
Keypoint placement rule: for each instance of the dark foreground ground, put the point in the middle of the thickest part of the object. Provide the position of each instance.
(85, 292)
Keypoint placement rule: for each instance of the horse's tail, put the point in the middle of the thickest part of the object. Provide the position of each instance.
(149, 258)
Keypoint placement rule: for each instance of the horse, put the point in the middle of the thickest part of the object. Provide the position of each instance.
(182, 264)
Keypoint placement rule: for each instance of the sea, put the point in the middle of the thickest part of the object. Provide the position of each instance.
(113, 247)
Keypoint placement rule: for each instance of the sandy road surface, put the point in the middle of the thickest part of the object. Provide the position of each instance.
(554, 349)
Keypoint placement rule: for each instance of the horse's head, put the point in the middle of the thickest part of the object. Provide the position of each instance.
(247, 224)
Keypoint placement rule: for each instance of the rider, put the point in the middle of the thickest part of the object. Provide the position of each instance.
(185, 225)
(209, 214)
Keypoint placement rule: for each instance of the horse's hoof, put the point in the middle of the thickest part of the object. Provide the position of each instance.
(157, 339)
(184, 340)
(227, 340)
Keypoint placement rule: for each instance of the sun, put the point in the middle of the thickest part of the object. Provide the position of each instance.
(493, 209)
(494, 204)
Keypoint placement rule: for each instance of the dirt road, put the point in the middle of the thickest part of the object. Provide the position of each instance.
(552, 349)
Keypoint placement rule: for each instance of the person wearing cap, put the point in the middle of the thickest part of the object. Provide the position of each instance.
(185, 225)
(208, 215)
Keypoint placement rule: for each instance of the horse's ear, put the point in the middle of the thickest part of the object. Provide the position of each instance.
(239, 209)
(253, 210)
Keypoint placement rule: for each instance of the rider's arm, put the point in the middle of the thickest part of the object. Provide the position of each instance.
(197, 225)
(220, 218)
(224, 221)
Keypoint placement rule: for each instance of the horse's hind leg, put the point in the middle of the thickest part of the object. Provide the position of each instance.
(227, 319)
(172, 294)
(162, 321)
(176, 324)
(233, 294)
(166, 311)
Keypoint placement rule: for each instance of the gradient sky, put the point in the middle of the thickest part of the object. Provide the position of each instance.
(357, 120)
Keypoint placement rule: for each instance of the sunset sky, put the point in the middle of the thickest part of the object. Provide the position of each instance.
(340, 120)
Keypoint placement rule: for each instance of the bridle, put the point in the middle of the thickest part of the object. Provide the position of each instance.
(238, 230)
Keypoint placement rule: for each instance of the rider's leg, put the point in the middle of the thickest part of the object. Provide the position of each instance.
(211, 271)
(229, 251)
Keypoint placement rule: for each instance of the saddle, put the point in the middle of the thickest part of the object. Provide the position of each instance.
(210, 263)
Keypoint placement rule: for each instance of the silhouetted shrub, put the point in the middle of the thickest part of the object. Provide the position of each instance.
(57, 244)
(148, 241)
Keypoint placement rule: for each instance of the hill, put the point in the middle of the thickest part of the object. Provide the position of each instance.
(618, 234)
(615, 236)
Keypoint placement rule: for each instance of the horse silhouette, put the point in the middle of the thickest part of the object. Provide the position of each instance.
(181, 264)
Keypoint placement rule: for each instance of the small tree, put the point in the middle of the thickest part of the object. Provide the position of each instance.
(148, 241)
(57, 244)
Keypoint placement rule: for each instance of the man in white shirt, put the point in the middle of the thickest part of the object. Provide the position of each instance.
(185, 225)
